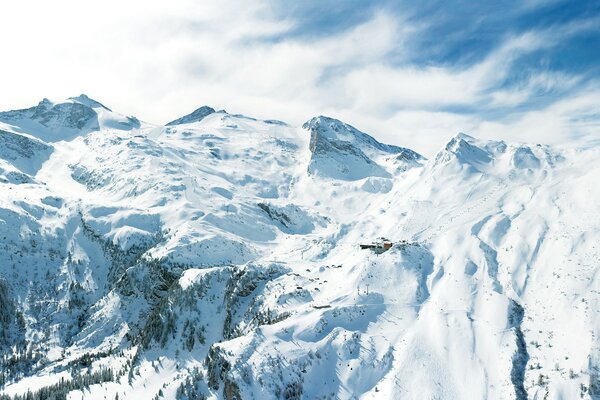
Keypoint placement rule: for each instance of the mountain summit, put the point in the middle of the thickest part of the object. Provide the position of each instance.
(343, 152)
(195, 116)
(89, 102)
(52, 121)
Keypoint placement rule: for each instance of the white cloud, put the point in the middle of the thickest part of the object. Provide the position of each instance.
(573, 118)
(159, 62)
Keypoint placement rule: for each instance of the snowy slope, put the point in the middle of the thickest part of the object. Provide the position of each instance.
(217, 256)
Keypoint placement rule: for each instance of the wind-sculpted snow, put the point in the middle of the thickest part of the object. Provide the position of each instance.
(217, 257)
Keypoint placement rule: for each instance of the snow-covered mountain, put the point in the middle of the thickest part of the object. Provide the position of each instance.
(218, 256)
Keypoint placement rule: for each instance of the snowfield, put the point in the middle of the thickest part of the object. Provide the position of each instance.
(217, 257)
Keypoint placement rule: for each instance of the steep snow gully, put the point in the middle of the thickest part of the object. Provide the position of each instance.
(218, 256)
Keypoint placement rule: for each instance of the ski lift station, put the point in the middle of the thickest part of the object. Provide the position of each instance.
(378, 246)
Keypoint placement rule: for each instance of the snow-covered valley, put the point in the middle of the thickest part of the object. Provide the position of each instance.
(217, 256)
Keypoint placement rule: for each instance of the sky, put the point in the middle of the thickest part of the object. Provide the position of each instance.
(408, 73)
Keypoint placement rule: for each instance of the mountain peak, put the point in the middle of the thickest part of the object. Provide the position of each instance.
(320, 120)
(195, 116)
(478, 153)
(464, 136)
(322, 127)
(341, 151)
(460, 140)
(464, 148)
(65, 119)
(85, 100)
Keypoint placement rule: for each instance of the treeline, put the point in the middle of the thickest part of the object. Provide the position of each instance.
(190, 388)
(60, 390)
(18, 363)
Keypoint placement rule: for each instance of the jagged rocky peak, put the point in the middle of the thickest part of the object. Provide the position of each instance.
(73, 113)
(469, 150)
(53, 121)
(89, 102)
(325, 129)
(68, 115)
(463, 142)
(195, 116)
(485, 154)
(341, 151)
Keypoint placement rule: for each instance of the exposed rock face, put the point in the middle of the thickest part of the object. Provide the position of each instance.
(53, 121)
(341, 151)
(70, 115)
(195, 116)
(14, 146)
(25, 153)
